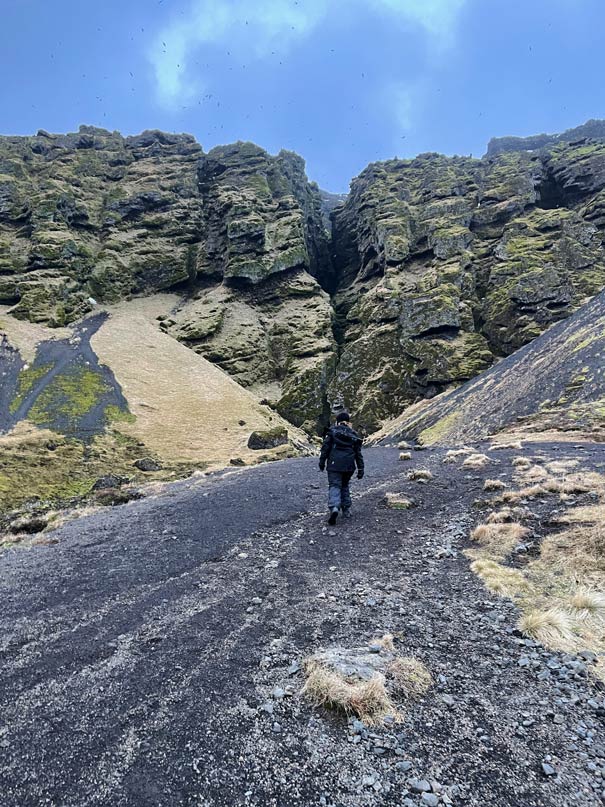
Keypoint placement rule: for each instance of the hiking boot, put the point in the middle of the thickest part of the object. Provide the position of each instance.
(346, 513)
(333, 515)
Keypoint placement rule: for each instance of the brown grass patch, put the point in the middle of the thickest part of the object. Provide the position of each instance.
(500, 579)
(405, 455)
(521, 462)
(589, 603)
(410, 677)
(420, 475)
(398, 501)
(552, 627)
(500, 516)
(493, 484)
(476, 461)
(499, 539)
(515, 445)
(368, 700)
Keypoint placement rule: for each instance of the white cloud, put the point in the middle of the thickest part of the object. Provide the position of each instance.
(252, 30)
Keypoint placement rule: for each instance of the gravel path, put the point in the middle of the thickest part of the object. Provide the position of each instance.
(151, 656)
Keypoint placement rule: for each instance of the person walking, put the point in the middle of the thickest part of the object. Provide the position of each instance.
(341, 452)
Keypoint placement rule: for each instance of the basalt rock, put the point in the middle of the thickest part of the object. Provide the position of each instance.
(447, 264)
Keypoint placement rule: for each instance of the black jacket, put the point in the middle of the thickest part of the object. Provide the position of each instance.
(341, 450)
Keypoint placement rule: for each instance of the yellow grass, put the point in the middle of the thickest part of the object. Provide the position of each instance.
(521, 462)
(588, 602)
(493, 484)
(499, 539)
(552, 627)
(397, 501)
(185, 407)
(420, 475)
(476, 461)
(410, 677)
(405, 455)
(500, 516)
(368, 700)
(500, 579)
(515, 445)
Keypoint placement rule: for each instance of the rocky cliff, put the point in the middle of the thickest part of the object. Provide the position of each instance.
(446, 264)
(434, 267)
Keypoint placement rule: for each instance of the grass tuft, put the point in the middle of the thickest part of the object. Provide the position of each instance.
(493, 484)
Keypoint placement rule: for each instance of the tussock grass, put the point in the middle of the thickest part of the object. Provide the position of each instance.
(500, 579)
(535, 473)
(368, 700)
(403, 444)
(530, 492)
(405, 455)
(476, 461)
(588, 602)
(420, 475)
(410, 677)
(500, 516)
(561, 466)
(455, 454)
(515, 445)
(500, 538)
(521, 462)
(398, 501)
(493, 484)
(552, 627)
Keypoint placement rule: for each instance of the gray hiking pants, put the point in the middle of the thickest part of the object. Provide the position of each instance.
(339, 494)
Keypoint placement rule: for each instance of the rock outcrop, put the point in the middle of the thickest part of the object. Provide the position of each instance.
(96, 217)
(431, 268)
(446, 264)
(556, 382)
(594, 129)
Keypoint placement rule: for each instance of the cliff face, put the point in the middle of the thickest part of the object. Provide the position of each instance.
(434, 267)
(95, 217)
(446, 264)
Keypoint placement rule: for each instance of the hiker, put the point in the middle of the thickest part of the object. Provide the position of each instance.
(341, 450)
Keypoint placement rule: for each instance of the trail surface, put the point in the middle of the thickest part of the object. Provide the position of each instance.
(140, 654)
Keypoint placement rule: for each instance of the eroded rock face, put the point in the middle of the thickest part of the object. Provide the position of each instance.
(95, 216)
(446, 264)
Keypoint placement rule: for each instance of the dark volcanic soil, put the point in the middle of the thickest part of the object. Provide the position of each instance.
(141, 652)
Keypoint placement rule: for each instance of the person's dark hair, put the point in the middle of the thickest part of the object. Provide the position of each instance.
(343, 416)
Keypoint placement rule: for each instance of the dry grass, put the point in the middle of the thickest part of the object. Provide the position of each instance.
(493, 484)
(515, 445)
(405, 455)
(561, 466)
(368, 700)
(499, 539)
(552, 627)
(500, 516)
(531, 492)
(476, 461)
(501, 579)
(397, 501)
(579, 551)
(403, 444)
(420, 475)
(535, 473)
(589, 603)
(410, 677)
(521, 463)
(386, 642)
(455, 454)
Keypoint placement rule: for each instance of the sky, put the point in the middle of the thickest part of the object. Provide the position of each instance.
(341, 82)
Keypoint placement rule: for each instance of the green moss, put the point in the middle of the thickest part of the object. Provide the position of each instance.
(113, 414)
(69, 396)
(438, 430)
(27, 379)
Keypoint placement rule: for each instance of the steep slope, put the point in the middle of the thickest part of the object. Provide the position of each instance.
(556, 382)
(113, 392)
(436, 266)
(448, 263)
(94, 216)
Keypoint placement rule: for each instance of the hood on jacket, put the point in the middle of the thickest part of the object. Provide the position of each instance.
(344, 435)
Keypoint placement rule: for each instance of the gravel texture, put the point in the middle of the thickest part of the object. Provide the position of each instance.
(153, 655)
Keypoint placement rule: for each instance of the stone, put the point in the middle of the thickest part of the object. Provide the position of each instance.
(147, 464)
(109, 481)
(547, 769)
(270, 438)
(419, 785)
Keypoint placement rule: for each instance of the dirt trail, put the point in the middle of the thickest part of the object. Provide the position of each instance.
(140, 654)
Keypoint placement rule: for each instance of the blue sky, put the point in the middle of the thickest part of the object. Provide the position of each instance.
(342, 82)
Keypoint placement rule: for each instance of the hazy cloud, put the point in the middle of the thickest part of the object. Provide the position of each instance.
(252, 30)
